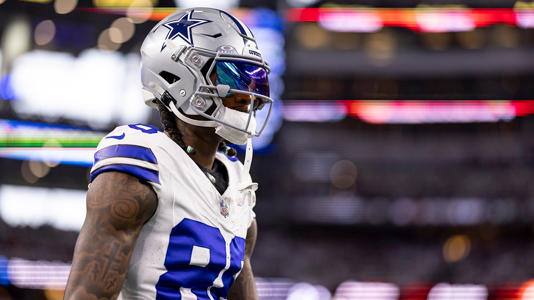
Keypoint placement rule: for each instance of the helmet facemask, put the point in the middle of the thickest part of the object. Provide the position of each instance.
(236, 76)
(193, 44)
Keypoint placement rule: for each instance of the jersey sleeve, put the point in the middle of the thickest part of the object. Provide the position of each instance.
(126, 149)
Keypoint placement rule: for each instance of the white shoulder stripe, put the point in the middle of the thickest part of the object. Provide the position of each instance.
(124, 161)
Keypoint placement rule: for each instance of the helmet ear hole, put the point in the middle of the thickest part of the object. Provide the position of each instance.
(169, 77)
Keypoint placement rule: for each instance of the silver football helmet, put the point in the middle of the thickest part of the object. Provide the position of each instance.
(194, 58)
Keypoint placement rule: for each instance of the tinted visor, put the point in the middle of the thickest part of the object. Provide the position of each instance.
(243, 76)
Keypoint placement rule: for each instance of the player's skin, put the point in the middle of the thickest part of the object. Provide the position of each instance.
(118, 205)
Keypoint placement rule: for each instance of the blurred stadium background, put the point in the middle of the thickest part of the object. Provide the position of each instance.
(399, 162)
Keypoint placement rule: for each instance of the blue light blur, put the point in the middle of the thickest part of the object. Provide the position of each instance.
(6, 89)
(76, 36)
(268, 19)
(4, 123)
(4, 277)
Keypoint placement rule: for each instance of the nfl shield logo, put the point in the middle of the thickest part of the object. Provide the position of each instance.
(224, 208)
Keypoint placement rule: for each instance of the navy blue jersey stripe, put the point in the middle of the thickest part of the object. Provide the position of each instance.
(241, 28)
(131, 151)
(139, 172)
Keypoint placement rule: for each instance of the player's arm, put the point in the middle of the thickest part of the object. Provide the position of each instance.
(244, 288)
(118, 205)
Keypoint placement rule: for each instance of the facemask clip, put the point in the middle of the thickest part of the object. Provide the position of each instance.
(200, 103)
(222, 90)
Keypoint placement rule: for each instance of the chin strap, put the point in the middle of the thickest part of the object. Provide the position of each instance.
(248, 155)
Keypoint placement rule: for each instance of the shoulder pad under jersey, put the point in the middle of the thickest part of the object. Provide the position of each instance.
(128, 149)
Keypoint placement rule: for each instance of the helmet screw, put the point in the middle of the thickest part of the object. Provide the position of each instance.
(200, 102)
(182, 93)
(196, 60)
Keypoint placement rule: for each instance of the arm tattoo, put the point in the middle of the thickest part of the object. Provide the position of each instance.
(244, 288)
(117, 207)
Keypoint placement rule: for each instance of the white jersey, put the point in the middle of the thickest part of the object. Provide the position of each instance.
(193, 246)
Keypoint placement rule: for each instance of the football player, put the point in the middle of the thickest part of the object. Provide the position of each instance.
(170, 213)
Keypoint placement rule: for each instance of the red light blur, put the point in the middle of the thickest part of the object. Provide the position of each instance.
(409, 17)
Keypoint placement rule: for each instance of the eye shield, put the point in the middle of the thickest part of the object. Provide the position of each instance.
(243, 76)
(235, 82)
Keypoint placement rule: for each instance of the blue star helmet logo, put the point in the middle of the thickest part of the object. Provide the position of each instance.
(182, 28)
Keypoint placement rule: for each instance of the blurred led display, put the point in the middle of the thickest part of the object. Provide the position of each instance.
(31, 134)
(431, 111)
(354, 290)
(408, 112)
(351, 21)
(121, 3)
(72, 145)
(4, 277)
(309, 292)
(313, 111)
(525, 18)
(37, 274)
(527, 290)
(40, 274)
(445, 21)
(345, 208)
(445, 291)
(48, 143)
(97, 87)
(418, 19)
(70, 156)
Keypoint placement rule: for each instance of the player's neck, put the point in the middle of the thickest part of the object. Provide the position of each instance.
(204, 143)
(204, 152)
